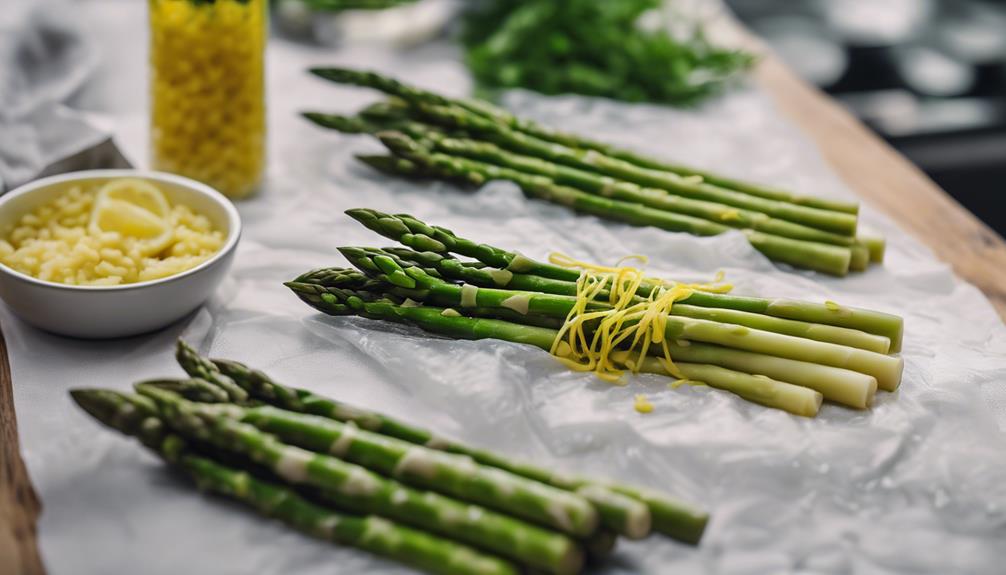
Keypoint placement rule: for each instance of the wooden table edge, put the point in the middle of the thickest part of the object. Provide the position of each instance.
(887, 181)
(19, 504)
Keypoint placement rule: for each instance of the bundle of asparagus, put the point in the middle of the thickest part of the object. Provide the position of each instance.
(472, 141)
(365, 480)
(780, 353)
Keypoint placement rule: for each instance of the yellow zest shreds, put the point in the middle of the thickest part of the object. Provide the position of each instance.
(208, 91)
(642, 404)
(626, 325)
(58, 242)
(679, 382)
(730, 215)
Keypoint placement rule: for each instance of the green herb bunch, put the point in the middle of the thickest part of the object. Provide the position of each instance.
(595, 48)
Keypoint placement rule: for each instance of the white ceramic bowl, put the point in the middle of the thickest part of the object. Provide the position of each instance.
(117, 311)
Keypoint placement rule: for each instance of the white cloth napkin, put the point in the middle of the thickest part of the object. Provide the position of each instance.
(44, 58)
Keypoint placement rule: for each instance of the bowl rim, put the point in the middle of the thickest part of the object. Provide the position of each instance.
(233, 217)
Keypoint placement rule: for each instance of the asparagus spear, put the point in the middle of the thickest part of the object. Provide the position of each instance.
(451, 474)
(839, 385)
(886, 369)
(795, 399)
(454, 475)
(440, 266)
(825, 258)
(670, 516)
(875, 245)
(421, 237)
(355, 488)
(591, 160)
(588, 181)
(455, 118)
(503, 118)
(137, 416)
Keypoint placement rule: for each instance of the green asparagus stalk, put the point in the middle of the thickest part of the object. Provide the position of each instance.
(886, 369)
(755, 388)
(451, 474)
(342, 5)
(876, 246)
(816, 256)
(355, 488)
(207, 372)
(670, 516)
(440, 266)
(591, 160)
(588, 181)
(795, 399)
(137, 416)
(196, 389)
(860, 257)
(839, 385)
(503, 118)
(392, 165)
(422, 237)
(835, 384)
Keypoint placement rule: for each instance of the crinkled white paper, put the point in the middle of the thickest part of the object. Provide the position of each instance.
(915, 485)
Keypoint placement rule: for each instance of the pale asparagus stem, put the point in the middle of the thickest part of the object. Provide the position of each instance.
(755, 388)
(886, 369)
(814, 331)
(480, 108)
(136, 416)
(434, 320)
(860, 257)
(840, 385)
(484, 277)
(422, 237)
(357, 489)
(835, 384)
(454, 475)
(875, 245)
(669, 516)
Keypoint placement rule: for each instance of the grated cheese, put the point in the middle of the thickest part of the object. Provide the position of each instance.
(469, 295)
(501, 277)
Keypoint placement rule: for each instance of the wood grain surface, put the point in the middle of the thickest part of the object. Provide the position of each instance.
(19, 506)
(888, 182)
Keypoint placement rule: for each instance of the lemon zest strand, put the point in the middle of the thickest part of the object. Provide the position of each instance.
(626, 316)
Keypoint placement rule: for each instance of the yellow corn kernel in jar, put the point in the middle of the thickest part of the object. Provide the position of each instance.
(208, 91)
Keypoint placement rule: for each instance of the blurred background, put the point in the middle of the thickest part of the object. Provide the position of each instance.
(928, 75)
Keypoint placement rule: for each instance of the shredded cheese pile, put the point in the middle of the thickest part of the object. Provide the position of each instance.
(628, 325)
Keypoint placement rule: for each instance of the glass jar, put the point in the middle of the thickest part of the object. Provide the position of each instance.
(207, 86)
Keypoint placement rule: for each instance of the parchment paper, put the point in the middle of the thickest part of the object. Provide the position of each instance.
(915, 485)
